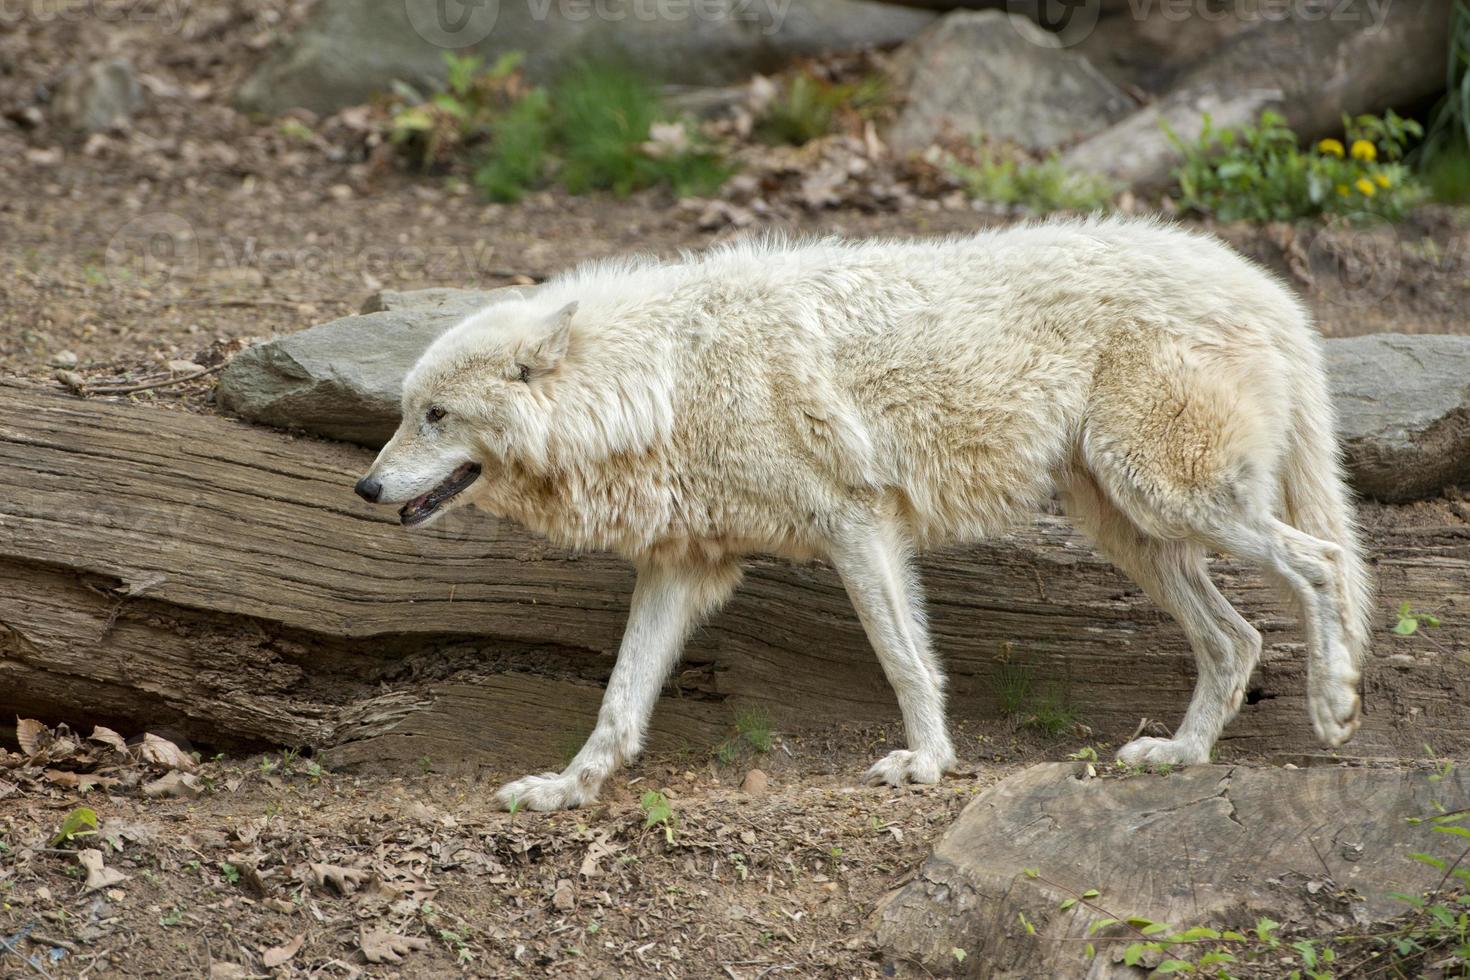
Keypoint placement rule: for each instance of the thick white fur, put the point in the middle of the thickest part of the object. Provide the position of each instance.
(861, 401)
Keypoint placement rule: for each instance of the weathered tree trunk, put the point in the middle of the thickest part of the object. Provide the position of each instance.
(166, 570)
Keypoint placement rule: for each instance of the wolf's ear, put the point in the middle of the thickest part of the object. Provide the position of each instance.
(545, 351)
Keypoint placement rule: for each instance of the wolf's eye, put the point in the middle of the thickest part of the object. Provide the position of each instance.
(523, 374)
(434, 414)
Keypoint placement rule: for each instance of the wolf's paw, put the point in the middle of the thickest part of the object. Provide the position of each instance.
(548, 791)
(1334, 707)
(906, 766)
(1163, 751)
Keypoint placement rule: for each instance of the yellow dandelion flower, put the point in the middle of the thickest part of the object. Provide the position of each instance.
(1365, 187)
(1364, 150)
(1342, 189)
(1331, 147)
(1383, 180)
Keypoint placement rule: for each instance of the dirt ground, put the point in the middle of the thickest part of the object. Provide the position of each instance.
(196, 228)
(745, 882)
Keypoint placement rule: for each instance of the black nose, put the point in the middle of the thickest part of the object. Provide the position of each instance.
(369, 489)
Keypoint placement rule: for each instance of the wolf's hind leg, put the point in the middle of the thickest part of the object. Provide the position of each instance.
(874, 559)
(1310, 569)
(667, 602)
(1175, 576)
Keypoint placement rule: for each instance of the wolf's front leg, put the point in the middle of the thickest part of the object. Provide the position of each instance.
(875, 562)
(667, 601)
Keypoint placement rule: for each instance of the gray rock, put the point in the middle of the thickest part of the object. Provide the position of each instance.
(343, 379)
(1403, 406)
(1311, 69)
(446, 300)
(351, 49)
(1209, 845)
(100, 96)
(993, 73)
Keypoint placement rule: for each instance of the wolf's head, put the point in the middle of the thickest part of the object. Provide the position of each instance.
(478, 399)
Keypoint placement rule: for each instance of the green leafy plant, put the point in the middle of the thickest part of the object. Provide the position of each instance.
(658, 813)
(1260, 172)
(1410, 620)
(81, 822)
(433, 129)
(807, 107)
(1000, 177)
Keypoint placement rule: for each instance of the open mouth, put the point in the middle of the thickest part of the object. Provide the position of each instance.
(420, 509)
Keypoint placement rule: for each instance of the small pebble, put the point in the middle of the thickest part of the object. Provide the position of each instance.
(65, 359)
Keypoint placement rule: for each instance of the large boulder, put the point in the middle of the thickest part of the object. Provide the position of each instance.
(1218, 846)
(343, 379)
(1403, 408)
(1310, 68)
(351, 49)
(991, 73)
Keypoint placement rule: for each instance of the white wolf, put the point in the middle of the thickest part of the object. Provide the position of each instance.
(859, 402)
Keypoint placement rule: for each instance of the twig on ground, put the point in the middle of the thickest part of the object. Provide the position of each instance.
(130, 389)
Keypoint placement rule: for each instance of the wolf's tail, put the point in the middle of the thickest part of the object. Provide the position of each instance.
(1315, 496)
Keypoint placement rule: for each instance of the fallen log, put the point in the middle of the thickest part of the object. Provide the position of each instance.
(220, 582)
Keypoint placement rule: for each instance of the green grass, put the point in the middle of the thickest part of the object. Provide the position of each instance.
(602, 115)
(1447, 174)
(1051, 715)
(1449, 123)
(520, 140)
(1038, 186)
(594, 130)
(752, 731)
(1012, 688)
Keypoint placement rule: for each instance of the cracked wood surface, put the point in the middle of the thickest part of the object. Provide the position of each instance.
(222, 581)
(1207, 845)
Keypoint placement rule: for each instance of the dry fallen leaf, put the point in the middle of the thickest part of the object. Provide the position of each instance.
(381, 946)
(344, 881)
(596, 851)
(173, 784)
(164, 753)
(28, 733)
(108, 737)
(78, 780)
(98, 875)
(277, 955)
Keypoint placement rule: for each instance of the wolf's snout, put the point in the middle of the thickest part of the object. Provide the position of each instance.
(369, 489)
